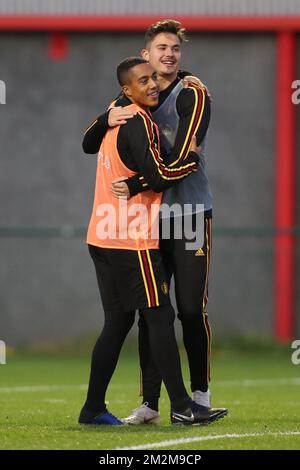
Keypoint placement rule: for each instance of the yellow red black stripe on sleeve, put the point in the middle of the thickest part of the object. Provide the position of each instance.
(196, 116)
(165, 172)
(90, 126)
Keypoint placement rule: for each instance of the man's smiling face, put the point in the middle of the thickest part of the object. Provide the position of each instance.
(142, 87)
(164, 53)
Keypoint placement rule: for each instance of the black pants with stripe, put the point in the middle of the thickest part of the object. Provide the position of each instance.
(122, 279)
(190, 269)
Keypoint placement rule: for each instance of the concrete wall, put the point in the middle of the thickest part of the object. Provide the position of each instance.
(48, 286)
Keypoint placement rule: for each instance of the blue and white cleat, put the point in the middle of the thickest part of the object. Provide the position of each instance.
(107, 418)
(87, 417)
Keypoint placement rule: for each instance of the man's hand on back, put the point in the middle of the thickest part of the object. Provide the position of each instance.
(119, 188)
(119, 115)
(192, 80)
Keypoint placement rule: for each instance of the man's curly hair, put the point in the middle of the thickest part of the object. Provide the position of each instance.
(165, 26)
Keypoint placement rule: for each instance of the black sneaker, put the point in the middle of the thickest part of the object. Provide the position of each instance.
(204, 415)
(182, 417)
(197, 414)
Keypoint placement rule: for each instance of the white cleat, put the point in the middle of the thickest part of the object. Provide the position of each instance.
(202, 398)
(142, 415)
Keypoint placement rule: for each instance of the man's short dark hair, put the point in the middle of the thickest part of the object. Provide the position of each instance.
(125, 66)
(165, 26)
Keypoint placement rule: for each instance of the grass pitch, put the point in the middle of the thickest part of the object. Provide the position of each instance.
(41, 396)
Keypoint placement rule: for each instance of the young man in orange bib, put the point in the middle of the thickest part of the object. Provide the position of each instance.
(124, 245)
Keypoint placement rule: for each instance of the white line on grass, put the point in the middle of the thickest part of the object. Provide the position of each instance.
(220, 383)
(54, 401)
(174, 442)
(257, 382)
